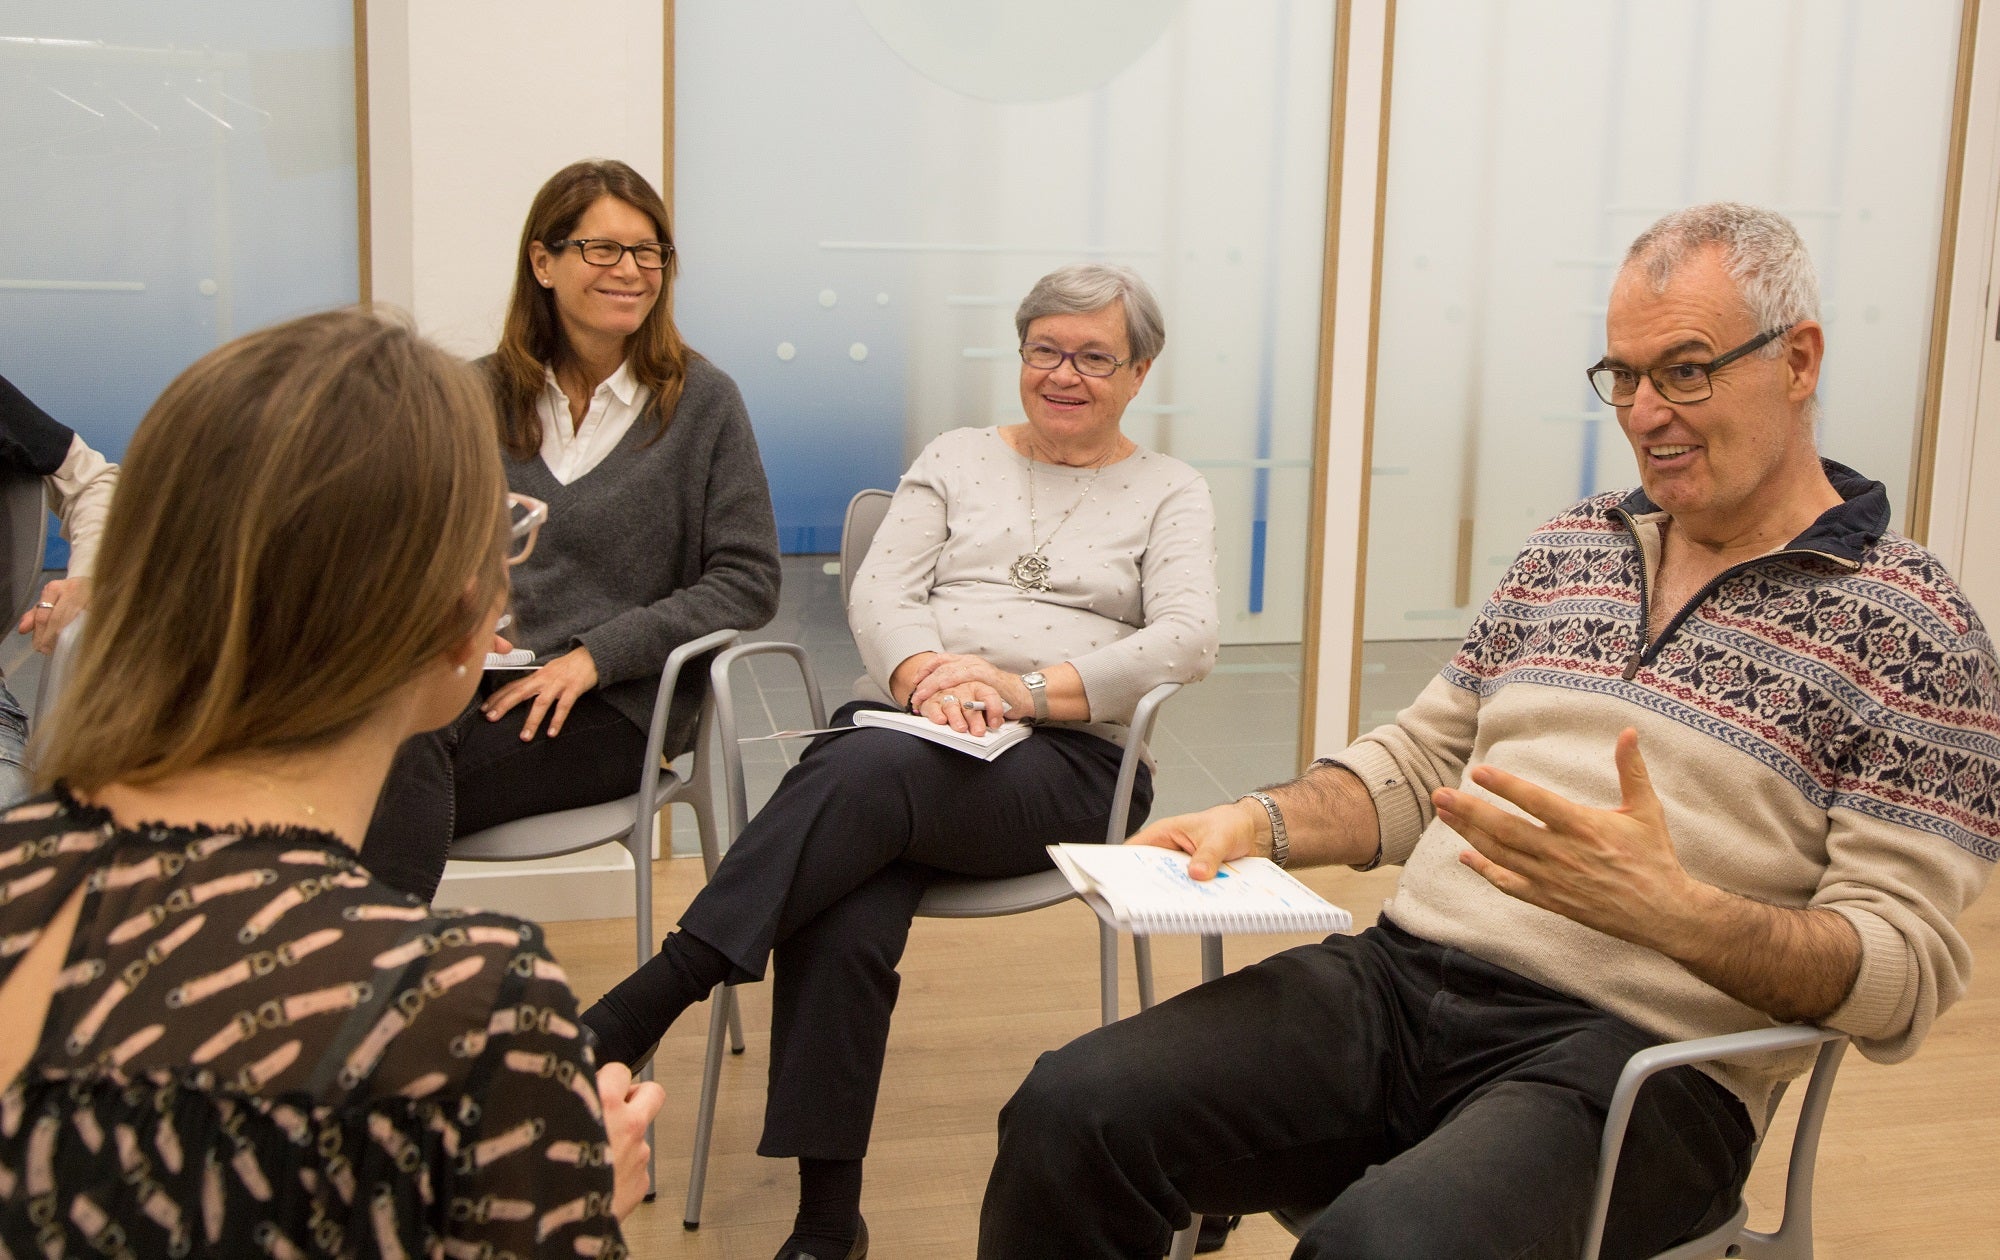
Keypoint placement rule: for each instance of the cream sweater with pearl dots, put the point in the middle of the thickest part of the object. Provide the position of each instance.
(1131, 552)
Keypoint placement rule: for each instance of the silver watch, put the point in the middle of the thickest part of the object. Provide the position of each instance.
(1281, 844)
(1038, 691)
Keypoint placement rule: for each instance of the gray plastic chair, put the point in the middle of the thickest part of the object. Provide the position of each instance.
(55, 674)
(26, 522)
(629, 820)
(1792, 1240)
(945, 899)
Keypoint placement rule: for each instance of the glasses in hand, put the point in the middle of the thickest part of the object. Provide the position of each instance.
(1089, 362)
(598, 252)
(524, 523)
(1677, 382)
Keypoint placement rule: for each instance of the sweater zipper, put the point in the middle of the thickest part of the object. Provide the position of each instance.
(1646, 654)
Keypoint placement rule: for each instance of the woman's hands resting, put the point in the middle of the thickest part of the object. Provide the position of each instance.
(553, 688)
(928, 678)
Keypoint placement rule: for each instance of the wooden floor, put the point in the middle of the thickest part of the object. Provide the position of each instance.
(1910, 1165)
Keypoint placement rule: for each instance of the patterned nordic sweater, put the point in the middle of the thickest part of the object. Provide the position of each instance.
(1822, 725)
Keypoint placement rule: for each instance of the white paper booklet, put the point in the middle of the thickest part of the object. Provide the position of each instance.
(985, 747)
(1146, 889)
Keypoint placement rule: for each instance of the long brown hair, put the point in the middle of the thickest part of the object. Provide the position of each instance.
(532, 340)
(308, 517)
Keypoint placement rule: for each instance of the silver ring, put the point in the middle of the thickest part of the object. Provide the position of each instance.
(45, 604)
(947, 698)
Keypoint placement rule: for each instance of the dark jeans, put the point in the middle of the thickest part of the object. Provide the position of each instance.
(476, 774)
(828, 876)
(1445, 1106)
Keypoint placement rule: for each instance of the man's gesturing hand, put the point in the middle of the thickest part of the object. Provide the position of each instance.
(1610, 869)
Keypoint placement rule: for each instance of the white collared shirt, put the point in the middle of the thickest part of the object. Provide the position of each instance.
(570, 452)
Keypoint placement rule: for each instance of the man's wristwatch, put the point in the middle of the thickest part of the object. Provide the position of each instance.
(1038, 691)
(1281, 845)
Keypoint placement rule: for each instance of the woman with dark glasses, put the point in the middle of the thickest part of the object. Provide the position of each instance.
(660, 530)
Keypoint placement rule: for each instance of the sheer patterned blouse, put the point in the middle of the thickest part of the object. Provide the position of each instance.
(256, 1049)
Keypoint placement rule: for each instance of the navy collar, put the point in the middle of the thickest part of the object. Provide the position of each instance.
(1843, 532)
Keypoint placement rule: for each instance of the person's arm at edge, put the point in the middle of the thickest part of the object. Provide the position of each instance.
(80, 493)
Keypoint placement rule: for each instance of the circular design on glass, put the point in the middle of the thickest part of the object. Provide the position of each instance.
(961, 45)
(857, 352)
(827, 297)
(881, 299)
(787, 351)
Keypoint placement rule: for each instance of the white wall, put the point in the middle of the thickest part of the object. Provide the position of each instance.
(472, 105)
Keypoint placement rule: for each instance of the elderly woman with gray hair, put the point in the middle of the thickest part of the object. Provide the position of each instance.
(1052, 571)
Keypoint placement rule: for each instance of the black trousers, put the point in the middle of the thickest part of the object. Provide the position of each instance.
(1445, 1106)
(476, 774)
(827, 877)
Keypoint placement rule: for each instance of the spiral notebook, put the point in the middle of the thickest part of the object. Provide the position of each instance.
(1145, 889)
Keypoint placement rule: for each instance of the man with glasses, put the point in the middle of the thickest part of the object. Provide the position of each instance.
(1718, 753)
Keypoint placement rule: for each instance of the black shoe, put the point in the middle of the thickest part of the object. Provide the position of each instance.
(1215, 1232)
(859, 1251)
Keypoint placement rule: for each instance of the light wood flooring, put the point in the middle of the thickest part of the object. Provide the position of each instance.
(1910, 1165)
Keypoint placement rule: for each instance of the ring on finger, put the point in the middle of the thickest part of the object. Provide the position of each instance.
(947, 698)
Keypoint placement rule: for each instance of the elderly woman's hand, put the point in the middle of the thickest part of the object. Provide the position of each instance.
(966, 677)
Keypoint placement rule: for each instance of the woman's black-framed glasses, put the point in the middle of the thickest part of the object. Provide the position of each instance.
(1089, 362)
(524, 523)
(599, 252)
(1677, 382)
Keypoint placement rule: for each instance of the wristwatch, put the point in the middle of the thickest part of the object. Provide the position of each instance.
(1038, 691)
(1281, 844)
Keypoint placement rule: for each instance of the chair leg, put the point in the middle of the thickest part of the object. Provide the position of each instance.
(1142, 962)
(722, 1006)
(639, 843)
(1211, 958)
(1107, 972)
(1184, 1241)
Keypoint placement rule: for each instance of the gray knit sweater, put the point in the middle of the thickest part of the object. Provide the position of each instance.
(662, 542)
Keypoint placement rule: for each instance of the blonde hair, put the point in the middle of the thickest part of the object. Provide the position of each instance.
(306, 518)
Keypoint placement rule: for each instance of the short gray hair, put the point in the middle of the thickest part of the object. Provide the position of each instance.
(1761, 251)
(1081, 288)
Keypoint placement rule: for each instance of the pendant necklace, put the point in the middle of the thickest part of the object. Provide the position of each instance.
(1030, 570)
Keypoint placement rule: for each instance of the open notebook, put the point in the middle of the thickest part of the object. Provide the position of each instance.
(1146, 889)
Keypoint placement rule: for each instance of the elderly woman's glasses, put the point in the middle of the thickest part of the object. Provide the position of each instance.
(1089, 362)
(652, 255)
(524, 523)
(1677, 382)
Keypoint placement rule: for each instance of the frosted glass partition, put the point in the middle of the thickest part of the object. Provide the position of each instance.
(176, 174)
(1529, 142)
(866, 188)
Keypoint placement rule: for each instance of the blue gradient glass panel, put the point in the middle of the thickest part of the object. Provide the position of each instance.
(176, 174)
(861, 205)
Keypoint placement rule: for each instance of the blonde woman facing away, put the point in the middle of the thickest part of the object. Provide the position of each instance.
(222, 1032)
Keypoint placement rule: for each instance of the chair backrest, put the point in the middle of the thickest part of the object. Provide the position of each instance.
(865, 512)
(24, 516)
(55, 676)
